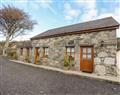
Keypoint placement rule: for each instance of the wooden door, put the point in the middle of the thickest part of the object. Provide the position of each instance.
(86, 58)
(36, 55)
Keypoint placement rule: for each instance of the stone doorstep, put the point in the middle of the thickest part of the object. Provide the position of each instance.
(87, 75)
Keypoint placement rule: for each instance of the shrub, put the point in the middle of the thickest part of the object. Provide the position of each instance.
(11, 53)
(26, 58)
(66, 61)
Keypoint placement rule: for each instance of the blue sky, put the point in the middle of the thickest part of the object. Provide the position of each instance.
(56, 13)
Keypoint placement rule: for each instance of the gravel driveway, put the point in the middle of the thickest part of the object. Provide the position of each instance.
(19, 79)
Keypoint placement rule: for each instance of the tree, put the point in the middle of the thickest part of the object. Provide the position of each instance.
(13, 22)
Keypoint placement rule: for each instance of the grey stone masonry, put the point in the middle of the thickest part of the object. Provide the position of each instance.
(104, 53)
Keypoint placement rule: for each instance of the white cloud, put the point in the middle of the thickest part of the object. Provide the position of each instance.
(89, 15)
(111, 1)
(37, 4)
(90, 11)
(89, 7)
(117, 12)
(115, 15)
(70, 13)
(46, 4)
(103, 15)
(87, 4)
(24, 1)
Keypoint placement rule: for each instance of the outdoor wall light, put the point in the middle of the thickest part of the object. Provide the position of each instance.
(102, 43)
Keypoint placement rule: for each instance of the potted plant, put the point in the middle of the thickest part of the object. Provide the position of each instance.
(66, 62)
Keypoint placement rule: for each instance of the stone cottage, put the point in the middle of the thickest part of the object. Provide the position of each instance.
(89, 47)
(25, 52)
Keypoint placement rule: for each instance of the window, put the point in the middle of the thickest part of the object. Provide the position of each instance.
(87, 53)
(70, 51)
(45, 51)
(21, 51)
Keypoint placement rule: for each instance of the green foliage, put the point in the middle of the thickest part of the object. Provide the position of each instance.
(26, 58)
(12, 53)
(66, 61)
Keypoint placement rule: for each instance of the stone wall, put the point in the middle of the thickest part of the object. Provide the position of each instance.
(104, 54)
(118, 62)
(21, 57)
(24, 57)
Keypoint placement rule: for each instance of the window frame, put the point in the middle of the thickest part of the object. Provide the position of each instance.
(45, 54)
(87, 53)
(70, 47)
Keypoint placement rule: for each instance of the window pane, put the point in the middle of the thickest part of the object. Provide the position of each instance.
(46, 51)
(72, 59)
(72, 50)
(84, 50)
(89, 50)
(68, 53)
(68, 49)
(89, 56)
(72, 54)
(84, 56)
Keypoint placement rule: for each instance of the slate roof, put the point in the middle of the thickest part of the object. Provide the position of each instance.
(26, 44)
(89, 26)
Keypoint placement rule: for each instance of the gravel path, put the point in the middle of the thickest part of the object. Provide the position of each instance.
(19, 79)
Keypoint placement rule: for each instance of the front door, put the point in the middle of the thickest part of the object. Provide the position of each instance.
(86, 58)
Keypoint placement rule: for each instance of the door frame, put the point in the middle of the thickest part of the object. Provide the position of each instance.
(81, 57)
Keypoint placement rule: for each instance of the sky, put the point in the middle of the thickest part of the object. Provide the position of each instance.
(57, 13)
